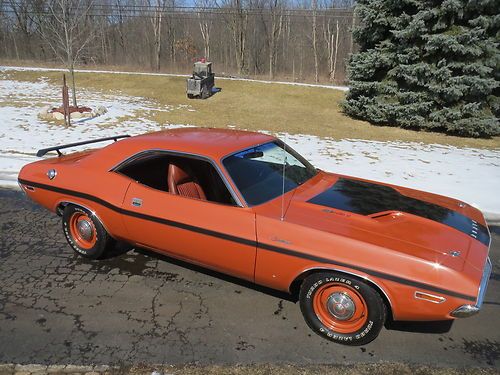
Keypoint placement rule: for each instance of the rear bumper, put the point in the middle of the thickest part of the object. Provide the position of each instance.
(465, 311)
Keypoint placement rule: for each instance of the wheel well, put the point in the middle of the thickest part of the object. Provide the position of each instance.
(62, 205)
(60, 208)
(295, 285)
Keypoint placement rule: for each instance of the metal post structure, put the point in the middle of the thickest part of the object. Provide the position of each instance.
(65, 97)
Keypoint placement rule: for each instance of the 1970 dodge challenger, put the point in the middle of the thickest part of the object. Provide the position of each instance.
(354, 251)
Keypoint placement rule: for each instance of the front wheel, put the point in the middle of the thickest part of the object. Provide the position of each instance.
(341, 308)
(84, 232)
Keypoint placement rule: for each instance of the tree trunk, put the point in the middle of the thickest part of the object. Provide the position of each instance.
(352, 37)
(332, 77)
(276, 28)
(205, 34)
(315, 41)
(73, 86)
(15, 45)
(158, 40)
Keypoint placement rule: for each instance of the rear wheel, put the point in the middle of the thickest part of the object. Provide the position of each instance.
(84, 233)
(341, 308)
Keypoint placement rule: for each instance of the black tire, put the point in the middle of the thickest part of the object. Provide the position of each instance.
(317, 293)
(91, 246)
(190, 96)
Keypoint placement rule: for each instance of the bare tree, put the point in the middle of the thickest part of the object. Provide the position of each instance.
(274, 32)
(205, 22)
(331, 36)
(120, 28)
(65, 26)
(307, 38)
(236, 17)
(24, 25)
(157, 21)
(314, 4)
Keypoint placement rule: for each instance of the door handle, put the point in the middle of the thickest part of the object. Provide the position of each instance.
(276, 239)
(137, 202)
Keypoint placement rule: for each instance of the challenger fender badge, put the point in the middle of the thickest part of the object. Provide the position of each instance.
(454, 253)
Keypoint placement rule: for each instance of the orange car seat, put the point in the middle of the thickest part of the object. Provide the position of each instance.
(182, 181)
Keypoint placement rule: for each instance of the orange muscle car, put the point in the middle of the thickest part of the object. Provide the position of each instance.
(353, 251)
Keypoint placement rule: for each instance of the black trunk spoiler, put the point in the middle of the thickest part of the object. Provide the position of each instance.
(58, 149)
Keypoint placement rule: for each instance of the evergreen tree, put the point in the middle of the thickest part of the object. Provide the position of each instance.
(427, 64)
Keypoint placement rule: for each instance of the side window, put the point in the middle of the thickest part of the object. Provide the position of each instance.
(180, 175)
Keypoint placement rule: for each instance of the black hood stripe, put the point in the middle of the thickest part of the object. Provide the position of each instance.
(248, 242)
(366, 198)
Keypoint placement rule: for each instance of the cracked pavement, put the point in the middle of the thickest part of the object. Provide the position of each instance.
(140, 307)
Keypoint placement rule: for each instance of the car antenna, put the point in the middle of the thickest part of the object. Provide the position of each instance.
(283, 181)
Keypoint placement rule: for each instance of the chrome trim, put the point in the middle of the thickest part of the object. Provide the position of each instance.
(346, 272)
(88, 209)
(51, 174)
(85, 229)
(130, 159)
(484, 283)
(21, 186)
(341, 306)
(137, 202)
(441, 299)
(465, 311)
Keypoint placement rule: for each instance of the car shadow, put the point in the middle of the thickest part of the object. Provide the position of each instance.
(123, 248)
(117, 250)
(436, 326)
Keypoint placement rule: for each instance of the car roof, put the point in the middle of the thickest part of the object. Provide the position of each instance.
(211, 142)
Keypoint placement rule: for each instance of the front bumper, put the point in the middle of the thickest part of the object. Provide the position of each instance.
(465, 311)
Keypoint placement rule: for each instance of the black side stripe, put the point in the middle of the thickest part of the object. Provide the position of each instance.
(245, 241)
(139, 215)
(368, 271)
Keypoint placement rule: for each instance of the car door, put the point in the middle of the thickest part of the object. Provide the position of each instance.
(218, 236)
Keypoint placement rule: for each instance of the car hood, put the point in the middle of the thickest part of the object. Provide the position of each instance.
(417, 224)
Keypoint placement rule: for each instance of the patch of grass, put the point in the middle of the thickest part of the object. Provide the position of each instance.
(255, 106)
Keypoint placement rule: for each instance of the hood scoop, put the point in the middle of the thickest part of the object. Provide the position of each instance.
(376, 201)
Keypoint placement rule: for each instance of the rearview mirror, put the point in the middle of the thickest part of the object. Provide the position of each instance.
(253, 155)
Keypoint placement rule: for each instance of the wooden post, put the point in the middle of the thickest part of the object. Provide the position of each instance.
(67, 115)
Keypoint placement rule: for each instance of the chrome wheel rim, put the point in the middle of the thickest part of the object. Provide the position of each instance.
(341, 306)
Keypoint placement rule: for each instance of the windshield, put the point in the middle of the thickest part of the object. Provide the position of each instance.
(258, 171)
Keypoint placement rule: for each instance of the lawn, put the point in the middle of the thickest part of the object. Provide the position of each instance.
(255, 106)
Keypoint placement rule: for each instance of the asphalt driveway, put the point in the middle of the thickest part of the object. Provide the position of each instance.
(137, 306)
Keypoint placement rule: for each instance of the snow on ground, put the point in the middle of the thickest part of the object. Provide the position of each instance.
(471, 175)
(36, 69)
(22, 133)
